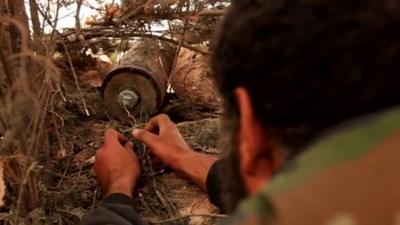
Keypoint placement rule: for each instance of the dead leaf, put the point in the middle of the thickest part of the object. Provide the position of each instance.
(92, 78)
(62, 153)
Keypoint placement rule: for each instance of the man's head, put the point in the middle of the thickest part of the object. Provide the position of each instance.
(290, 69)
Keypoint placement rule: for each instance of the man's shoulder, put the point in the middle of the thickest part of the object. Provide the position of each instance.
(344, 148)
(342, 177)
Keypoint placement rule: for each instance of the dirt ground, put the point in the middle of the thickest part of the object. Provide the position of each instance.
(67, 186)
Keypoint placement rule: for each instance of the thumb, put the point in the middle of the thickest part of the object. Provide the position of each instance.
(148, 138)
(129, 146)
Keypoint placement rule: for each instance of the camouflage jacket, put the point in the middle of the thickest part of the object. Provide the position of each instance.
(349, 177)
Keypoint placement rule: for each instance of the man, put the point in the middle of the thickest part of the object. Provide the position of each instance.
(311, 97)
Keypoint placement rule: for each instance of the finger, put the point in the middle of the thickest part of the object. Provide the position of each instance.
(158, 123)
(152, 125)
(150, 139)
(129, 146)
(112, 136)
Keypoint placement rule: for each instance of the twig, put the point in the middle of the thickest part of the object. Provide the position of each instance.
(173, 42)
(55, 174)
(49, 22)
(161, 198)
(140, 12)
(77, 19)
(212, 12)
(59, 116)
(93, 33)
(64, 174)
(144, 203)
(77, 181)
(7, 70)
(178, 50)
(53, 118)
(211, 215)
(135, 12)
(21, 190)
(76, 80)
(54, 31)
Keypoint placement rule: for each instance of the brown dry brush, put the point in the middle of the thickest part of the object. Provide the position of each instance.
(190, 22)
(28, 83)
(30, 93)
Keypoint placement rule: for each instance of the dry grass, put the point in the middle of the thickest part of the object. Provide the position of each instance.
(29, 94)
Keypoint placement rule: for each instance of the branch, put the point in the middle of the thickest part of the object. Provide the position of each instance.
(46, 18)
(76, 81)
(211, 215)
(92, 33)
(134, 13)
(212, 12)
(37, 33)
(141, 13)
(172, 41)
(78, 12)
(7, 70)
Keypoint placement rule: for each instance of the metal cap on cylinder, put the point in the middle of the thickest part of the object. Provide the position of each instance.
(128, 98)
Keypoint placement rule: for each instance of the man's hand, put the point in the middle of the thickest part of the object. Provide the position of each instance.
(117, 166)
(164, 140)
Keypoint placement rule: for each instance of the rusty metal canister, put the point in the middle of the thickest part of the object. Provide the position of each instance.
(135, 89)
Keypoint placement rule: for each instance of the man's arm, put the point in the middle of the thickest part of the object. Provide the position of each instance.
(214, 184)
(117, 170)
(167, 144)
(116, 209)
(164, 140)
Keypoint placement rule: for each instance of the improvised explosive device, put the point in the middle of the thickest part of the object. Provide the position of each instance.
(137, 86)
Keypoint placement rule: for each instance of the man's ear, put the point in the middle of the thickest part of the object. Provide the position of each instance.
(254, 145)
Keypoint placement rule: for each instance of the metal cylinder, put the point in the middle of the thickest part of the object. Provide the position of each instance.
(138, 85)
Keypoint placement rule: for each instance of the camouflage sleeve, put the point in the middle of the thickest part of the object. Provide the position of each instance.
(257, 210)
(214, 187)
(117, 209)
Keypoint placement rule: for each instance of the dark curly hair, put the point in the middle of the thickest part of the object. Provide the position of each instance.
(309, 64)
